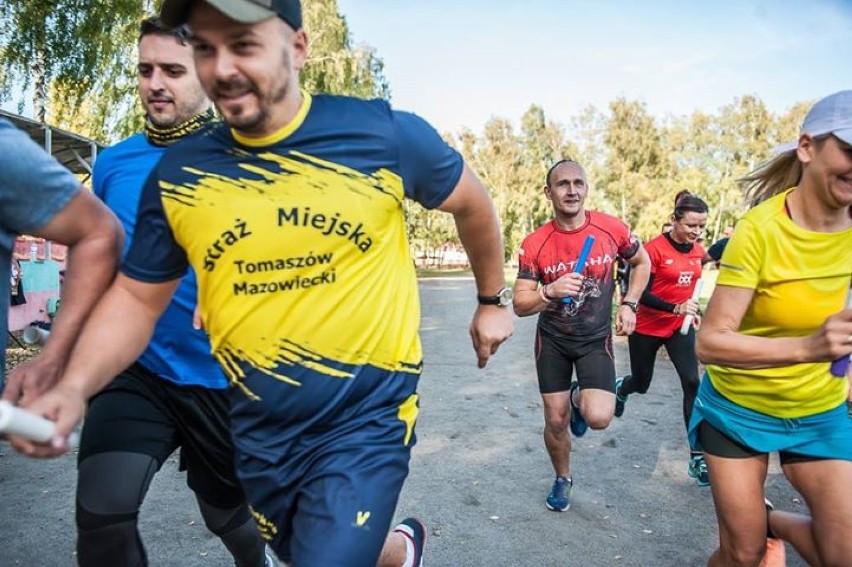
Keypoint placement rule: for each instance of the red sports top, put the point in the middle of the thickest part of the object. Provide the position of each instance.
(675, 274)
(550, 252)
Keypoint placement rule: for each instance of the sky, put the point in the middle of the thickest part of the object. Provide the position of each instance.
(458, 63)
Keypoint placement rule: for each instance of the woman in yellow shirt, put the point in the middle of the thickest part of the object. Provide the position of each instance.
(774, 324)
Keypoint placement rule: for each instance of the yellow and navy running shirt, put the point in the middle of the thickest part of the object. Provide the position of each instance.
(299, 244)
(799, 279)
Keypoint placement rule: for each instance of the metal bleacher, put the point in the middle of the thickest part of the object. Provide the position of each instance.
(75, 152)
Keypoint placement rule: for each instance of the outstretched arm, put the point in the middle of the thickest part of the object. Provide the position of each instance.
(94, 238)
(113, 337)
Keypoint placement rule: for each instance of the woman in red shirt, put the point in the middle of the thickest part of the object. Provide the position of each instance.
(676, 261)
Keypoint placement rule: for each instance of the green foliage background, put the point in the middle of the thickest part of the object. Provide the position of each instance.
(78, 55)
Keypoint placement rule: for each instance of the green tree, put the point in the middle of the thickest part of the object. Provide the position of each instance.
(745, 135)
(587, 132)
(542, 144)
(79, 55)
(692, 144)
(64, 43)
(787, 127)
(334, 65)
(498, 160)
(637, 170)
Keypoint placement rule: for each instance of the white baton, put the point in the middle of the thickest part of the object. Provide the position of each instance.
(687, 321)
(18, 421)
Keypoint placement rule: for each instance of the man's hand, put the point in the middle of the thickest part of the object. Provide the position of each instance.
(491, 326)
(31, 379)
(63, 405)
(568, 285)
(625, 320)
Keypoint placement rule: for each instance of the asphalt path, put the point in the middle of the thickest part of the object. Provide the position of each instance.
(479, 473)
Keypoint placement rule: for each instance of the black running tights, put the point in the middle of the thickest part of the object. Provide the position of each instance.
(110, 490)
(643, 355)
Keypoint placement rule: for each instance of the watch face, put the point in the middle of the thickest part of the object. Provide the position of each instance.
(503, 298)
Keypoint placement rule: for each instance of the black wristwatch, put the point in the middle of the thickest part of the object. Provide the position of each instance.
(632, 305)
(502, 299)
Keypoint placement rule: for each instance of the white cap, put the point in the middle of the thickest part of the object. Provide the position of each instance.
(831, 115)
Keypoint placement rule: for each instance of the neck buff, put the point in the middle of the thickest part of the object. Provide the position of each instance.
(165, 136)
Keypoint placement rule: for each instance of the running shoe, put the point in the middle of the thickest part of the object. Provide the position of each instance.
(769, 508)
(559, 499)
(414, 530)
(698, 470)
(619, 399)
(578, 424)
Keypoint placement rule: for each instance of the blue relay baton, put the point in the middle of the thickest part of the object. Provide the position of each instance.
(581, 261)
(841, 365)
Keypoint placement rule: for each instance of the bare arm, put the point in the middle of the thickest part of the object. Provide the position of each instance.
(640, 271)
(123, 321)
(527, 299)
(95, 238)
(720, 341)
(479, 231)
(113, 337)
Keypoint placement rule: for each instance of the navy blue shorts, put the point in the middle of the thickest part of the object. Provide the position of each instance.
(324, 490)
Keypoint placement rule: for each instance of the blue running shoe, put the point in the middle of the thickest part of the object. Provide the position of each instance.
(415, 532)
(619, 399)
(559, 499)
(578, 424)
(698, 470)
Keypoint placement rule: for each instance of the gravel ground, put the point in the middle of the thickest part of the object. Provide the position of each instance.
(478, 479)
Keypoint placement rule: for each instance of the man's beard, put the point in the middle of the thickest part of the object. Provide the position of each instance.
(255, 121)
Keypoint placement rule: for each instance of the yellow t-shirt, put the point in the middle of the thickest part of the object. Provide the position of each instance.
(299, 245)
(799, 278)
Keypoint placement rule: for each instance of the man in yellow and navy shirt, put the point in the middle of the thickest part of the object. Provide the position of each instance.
(291, 214)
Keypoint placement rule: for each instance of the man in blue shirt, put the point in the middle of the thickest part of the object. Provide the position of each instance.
(174, 394)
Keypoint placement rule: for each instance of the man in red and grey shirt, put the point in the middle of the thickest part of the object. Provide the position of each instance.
(575, 307)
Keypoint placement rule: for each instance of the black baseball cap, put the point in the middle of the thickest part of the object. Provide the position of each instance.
(175, 12)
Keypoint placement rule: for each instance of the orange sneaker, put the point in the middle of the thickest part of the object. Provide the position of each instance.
(776, 555)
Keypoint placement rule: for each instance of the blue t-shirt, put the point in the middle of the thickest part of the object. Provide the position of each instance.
(177, 352)
(34, 187)
(299, 243)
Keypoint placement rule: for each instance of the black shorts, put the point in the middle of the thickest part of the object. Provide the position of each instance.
(142, 413)
(716, 443)
(556, 358)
